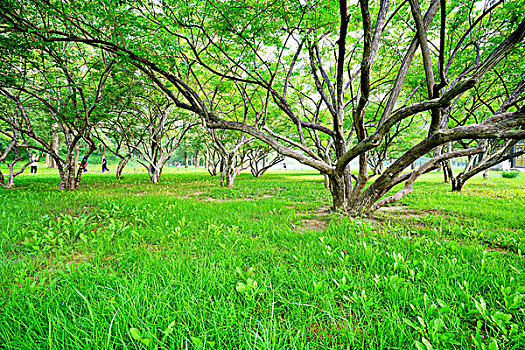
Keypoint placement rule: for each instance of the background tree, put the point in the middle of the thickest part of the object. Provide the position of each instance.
(50, 88)
(10, 153)
(142, 121)
(261, 158)
(495, 150)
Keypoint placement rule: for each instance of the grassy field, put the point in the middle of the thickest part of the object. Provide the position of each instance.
(185, 264)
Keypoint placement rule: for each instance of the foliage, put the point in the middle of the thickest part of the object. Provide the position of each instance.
(510, 174)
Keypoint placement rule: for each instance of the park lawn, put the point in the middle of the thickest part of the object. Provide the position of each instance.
(188, 264)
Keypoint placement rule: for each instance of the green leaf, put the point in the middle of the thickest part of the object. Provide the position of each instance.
(135, 334)
(493, 345)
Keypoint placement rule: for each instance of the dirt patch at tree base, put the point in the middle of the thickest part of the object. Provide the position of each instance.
(312, 225)
(402, 211)
(317, 223)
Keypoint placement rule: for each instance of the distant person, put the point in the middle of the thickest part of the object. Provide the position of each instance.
(284, 166)
(105, 165)
(34, 159)
(84, 166)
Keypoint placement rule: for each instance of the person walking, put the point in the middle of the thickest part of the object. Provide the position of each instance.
(85, 166)
(104, 165)
(34, 159)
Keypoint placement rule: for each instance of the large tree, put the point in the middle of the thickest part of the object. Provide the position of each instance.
(341, 76)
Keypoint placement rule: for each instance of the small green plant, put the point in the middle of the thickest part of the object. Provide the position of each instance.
(249, 287)
(136, 334)
(510, 174)
(53, 233)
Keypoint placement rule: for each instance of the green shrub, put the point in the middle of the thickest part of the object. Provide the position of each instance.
(510, 174)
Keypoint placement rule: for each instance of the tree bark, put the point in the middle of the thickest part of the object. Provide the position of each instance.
(71, 172)
(448, 172)
(339, 188)
(154, 174)
(54, 145)
(67, 176)
(121, 165)
(77, 154)
(228, 173)
(102, 154)
(458, 183)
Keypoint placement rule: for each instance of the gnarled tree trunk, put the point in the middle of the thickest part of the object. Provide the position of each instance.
(121, 165)
(229, 172)
(154, 174)
(71, 171)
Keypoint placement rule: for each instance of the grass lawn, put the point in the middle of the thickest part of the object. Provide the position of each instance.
(186, 264)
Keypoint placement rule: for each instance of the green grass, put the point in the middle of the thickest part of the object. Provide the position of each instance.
(187, 264)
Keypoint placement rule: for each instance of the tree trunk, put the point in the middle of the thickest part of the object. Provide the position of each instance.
(446, 173)
(227, 178)
(223, 174)
(212, 169)
(71, 172)
(458, 183)
(67, 170)
(362, 205)
(102, 154)
(67, 177)
(186, 160)
(228, 174)
(326, 181)
(77, 152)
(450, 169)
(154, 174)
(121, 165)
(54, 145)
(197, 159)
(12, 173)
(339, 191)
(10, 180)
